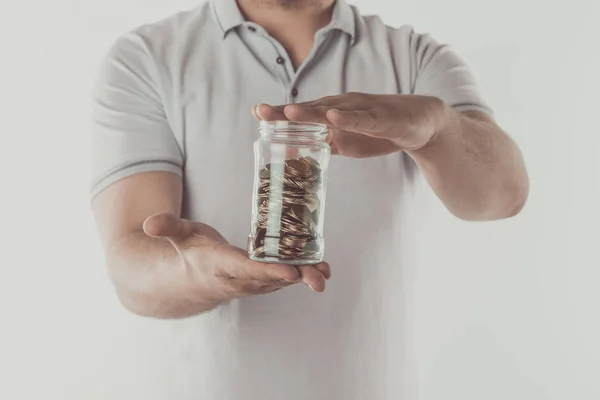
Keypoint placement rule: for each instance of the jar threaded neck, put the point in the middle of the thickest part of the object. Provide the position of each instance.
(293, 130)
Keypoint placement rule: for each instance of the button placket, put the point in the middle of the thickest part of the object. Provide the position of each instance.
(321, 39)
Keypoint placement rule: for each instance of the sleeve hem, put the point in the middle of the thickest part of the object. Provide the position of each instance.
(473, 107)
(128, 170)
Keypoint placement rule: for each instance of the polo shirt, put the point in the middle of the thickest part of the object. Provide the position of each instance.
(176, 96)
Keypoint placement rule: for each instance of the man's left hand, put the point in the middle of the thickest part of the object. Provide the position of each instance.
(367, 125)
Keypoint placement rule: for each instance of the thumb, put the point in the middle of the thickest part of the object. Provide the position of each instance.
(168, 226)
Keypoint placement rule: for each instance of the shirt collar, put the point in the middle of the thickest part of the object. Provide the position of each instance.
(343, 19)
(228, 16)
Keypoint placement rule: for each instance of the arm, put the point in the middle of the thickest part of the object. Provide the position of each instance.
(445, 126)
(166, 267)
(161, 265)
(474, 167)
(471, 164)
(149, 276)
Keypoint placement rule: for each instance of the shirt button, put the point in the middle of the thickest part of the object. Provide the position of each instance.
(252, 29)
(280, 60)
(294, 92)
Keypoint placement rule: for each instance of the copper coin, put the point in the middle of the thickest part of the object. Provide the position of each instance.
(312, 202)
(298, 168)
(259, 237)
(300, 212)
(299, 165)
(295, 241)
(312, 246)
(258, 252)
(264, 174)
(312, 162)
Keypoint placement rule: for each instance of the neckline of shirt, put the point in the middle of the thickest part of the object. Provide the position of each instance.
(228, 16)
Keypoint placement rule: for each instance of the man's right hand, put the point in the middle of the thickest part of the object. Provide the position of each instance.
(176, 268)
(222, 271)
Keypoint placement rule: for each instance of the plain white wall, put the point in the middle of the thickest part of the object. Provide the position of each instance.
(504, 310)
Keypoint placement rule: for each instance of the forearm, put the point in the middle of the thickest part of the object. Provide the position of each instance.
(474, 168)
(151, 278)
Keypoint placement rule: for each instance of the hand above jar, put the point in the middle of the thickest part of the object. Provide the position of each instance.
(367, 125)
(472, 165)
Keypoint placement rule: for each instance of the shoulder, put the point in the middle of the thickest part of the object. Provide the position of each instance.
(160, 39)
(403, 40)
(373, 27)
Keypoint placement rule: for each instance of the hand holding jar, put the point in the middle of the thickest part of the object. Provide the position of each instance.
(224, 272)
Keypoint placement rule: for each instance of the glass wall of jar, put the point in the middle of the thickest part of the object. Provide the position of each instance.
(291, 161)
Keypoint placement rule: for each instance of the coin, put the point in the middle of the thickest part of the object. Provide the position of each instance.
(298, 168)
(258, 252)
(312, 162)
(264, 174)
(293, 200)
(312, 202)
(259, 237)
(295, 241)
(300, 212)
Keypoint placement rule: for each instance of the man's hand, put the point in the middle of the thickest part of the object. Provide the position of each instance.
(223, 272)
(166, 267)
(471, 164)
(367, 125)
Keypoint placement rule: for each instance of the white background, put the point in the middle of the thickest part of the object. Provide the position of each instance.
(504, 310)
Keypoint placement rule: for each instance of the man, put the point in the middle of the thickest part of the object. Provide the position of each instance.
(172, 159)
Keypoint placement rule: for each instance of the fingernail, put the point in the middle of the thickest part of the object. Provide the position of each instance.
(311, 288)
(254, 112)
(257, 109)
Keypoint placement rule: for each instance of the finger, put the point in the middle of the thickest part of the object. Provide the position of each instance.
(359, 145)
(346, 101)
(363, 121)
(242, 287)
(332, 101)
(248, 287)
(312, 277)
(295, 112)
(235, 263)
(292, 152)
(325, 269)
(270, 288)
(267, 112)
(167, 225)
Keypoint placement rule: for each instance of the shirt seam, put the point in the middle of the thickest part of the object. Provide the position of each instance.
(129, 165)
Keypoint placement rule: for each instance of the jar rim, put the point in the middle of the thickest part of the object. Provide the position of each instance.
(293, 126)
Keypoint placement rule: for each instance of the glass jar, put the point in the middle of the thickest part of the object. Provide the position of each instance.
(290, 178)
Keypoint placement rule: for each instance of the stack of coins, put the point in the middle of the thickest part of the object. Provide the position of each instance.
(288, 210)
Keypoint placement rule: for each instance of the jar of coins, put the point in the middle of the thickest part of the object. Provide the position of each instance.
(289, 193)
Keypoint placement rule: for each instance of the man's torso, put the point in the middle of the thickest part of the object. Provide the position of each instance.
(354, 341)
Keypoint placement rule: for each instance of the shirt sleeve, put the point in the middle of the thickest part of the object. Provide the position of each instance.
(443, 74)
(130, 131)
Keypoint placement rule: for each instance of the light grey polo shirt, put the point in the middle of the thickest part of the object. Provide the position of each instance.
(176, 96)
